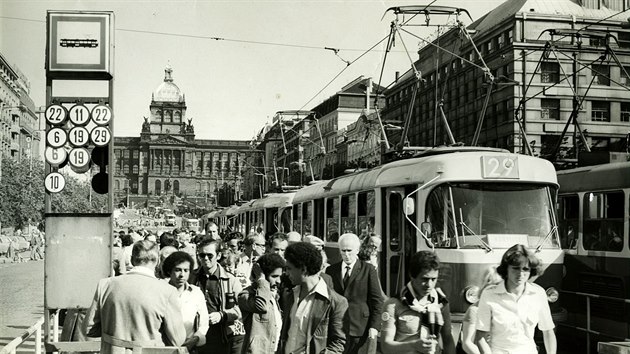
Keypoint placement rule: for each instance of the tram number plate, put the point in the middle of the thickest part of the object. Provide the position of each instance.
(499, 166)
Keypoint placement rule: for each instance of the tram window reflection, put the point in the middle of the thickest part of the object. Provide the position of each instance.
(568, 214)
(365, 213)
(603, 221)
(465, 213)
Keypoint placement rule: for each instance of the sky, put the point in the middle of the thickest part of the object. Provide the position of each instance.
(233, 86)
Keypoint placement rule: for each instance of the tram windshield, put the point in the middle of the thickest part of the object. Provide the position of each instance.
(495, 215)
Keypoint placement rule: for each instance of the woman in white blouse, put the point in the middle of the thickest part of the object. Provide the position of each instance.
(510, 310)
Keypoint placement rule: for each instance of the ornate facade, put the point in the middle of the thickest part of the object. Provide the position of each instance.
(166, 164)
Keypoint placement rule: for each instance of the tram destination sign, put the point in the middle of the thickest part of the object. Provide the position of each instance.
(499, 166)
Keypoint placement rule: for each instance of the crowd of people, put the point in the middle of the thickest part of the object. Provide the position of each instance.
(231, 293)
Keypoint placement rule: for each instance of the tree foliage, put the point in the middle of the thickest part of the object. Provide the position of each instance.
(22, 194)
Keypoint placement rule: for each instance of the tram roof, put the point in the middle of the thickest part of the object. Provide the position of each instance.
(457, 163)
(274, 200)
(598, 177)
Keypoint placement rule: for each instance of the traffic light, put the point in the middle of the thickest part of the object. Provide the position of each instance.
(100, 158)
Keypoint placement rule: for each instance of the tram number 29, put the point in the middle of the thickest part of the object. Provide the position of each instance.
(500, 166)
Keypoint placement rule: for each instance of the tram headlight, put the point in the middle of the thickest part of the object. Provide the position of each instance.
(471, 294)
(552, 294)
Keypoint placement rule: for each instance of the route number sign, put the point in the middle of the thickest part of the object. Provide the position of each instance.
(56, 137)
(55, 114)
(79, 136)
(54, 182)
(79, 115)
(79, 158)
(499, 167)
(55, 156)
(100, 136)
(101, 114)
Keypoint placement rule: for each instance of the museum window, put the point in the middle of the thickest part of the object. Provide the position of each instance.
(549, 108)
(135, 169)
(600, 111)
(135, 154)
(126, 168)
(126, 154)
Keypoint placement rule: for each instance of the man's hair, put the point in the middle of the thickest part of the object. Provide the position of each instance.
(304, 255)
(206, 241)
(350, 237)
(423, 261)
(251, 239)
(144, 252)
(270, 262)
(518, 255)
(126, 240)
(174, 260)
(234, 235)
(277, 236)
(167, 239)
(167, 251)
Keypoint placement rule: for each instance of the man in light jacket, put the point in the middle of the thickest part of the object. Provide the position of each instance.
(136, 309)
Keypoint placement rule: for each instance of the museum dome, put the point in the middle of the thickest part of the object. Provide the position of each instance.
(168, 91)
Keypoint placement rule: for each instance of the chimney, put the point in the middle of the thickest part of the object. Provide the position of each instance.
(397, 76)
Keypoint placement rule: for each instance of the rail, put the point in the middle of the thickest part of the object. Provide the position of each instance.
(17, 341)
(588, 329)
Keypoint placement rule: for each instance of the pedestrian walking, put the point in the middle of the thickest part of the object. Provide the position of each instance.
(510, 311)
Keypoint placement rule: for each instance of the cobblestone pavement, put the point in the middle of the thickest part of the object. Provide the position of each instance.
(21, 299)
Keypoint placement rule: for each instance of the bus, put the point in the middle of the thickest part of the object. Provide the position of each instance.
(467, 204)
(169, 219)
(593, 211)
(190, 224)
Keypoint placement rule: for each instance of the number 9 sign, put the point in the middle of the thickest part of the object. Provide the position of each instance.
(54, 182)
(100, 136)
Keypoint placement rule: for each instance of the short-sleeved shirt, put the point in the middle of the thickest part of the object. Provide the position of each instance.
(511, 321)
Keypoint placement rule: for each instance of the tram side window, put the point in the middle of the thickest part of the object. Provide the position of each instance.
(603, 221)
(569, 214)
(332, 217)
(319, 218)
(285, 220)
(348, 217)
(297, 222)
(306, 219)
(440, 215)
(365, 213)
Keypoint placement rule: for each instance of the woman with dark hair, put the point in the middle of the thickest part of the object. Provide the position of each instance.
(510, 310)
(259, 305)
(194, 311)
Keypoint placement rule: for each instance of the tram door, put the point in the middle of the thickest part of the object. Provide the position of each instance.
(398, 243)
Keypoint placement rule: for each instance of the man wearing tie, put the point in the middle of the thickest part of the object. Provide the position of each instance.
(358, 282)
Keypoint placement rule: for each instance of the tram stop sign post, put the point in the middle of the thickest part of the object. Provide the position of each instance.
(79, 143)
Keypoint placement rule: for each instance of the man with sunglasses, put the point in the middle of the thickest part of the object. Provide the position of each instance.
(253, 247)
(220, 289)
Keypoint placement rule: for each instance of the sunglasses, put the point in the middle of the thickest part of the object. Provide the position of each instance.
(204, 255)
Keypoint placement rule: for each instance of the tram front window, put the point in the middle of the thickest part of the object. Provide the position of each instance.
(472, 215)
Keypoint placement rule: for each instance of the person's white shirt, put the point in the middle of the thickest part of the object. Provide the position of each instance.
(344, 268)
(511, 320)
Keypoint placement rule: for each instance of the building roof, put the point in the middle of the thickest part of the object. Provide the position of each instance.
(566, 8)
(168, 91)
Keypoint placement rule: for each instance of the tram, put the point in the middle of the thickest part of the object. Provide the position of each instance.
(268, 215)
(593, 211)
(468, 204)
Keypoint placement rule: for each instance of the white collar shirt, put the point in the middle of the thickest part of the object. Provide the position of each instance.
(511, 320)
(194, 313)
(300, 316)
(344, 268)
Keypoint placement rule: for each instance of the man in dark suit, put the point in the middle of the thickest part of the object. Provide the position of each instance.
(358, 282)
